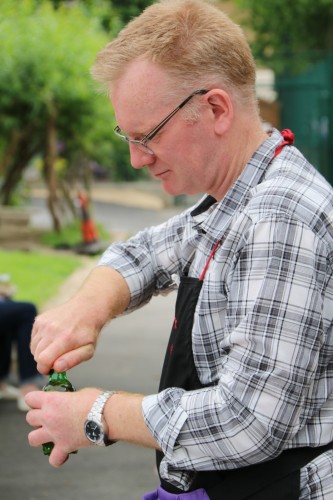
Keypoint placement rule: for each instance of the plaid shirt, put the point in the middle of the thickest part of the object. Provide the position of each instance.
(262, 333)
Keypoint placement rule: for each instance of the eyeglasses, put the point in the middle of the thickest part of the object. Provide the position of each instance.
(142, 143)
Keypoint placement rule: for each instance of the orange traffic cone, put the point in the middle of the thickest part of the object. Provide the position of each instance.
(88, 228)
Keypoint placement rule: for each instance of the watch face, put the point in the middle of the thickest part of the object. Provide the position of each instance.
(93, 430)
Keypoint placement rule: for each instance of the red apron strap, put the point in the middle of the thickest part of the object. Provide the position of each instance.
(288, 138)
(211, 255)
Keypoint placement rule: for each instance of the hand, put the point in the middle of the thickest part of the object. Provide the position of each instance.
(67, 335)
(7, 290)
(59, 418)
(63, 337)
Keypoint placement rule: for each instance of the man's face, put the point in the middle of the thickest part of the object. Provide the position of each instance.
(182, 156)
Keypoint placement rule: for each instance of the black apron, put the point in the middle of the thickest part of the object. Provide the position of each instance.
(276, 479)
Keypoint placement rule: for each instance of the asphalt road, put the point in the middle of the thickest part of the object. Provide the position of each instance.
(129, 357)
(114, 217)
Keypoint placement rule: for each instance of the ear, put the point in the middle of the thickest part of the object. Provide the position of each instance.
(222, 110)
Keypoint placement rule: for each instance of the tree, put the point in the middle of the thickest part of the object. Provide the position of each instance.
(105, 9)
(282, 27)
(295, 39)
(127, 9)
(49, 104)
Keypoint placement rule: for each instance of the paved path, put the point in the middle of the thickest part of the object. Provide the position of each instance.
(129, 357)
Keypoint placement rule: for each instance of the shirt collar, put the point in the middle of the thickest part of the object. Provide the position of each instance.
(215, 219)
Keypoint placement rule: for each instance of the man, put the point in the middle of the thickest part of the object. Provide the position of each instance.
(245, 407)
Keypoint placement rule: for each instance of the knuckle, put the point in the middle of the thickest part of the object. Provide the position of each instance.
(31, 439)
(90, 350)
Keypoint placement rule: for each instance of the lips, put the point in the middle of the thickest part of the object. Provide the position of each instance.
(160, 174)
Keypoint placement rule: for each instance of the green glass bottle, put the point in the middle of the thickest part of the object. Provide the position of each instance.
(57, 382)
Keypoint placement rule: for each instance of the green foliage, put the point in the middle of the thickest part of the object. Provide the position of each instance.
(46, 56)
(47, 50)
(127, 9)
(104, 10)
(123, 171)
(282, 27)
(36, 275)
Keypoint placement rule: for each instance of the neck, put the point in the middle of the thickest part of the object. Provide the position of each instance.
(237, 147)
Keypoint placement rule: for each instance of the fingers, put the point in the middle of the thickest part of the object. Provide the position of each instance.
(34, 399)
(38, 437)
(73, 358)
(55, 347)
(34, 336)
(34, 418)
(43, 330)
(44, 418)
(58, 457)
(66, 361)
(47, 345)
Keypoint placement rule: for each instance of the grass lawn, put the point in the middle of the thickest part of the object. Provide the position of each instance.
(71, 235)
(37, 275)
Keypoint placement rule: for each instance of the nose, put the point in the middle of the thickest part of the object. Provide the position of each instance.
(140, 159)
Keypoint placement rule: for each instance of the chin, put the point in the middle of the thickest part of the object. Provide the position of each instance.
(172, 190)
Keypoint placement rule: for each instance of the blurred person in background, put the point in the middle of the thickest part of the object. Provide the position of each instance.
(16, 320)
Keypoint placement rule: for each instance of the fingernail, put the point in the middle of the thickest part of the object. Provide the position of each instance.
(61, 365)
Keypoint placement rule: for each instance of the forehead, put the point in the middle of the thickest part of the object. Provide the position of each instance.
(137, 95)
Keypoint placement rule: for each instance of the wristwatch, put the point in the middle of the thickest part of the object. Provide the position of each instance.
(95, 427)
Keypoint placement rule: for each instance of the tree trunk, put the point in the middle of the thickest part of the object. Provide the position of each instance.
(49, 167)
(22, 148)
(66, 191)
(10, 150)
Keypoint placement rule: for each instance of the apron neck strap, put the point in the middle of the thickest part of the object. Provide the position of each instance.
(288, 139)
(211, 255)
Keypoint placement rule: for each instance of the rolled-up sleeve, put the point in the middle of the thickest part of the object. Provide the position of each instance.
(148, 260)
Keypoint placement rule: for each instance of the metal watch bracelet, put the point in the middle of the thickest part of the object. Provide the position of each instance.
(96, 412)
(97, 408)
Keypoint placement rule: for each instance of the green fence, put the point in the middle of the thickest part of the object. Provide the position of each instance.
(306, 107)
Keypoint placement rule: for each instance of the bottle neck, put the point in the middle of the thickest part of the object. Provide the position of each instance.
(57, 376)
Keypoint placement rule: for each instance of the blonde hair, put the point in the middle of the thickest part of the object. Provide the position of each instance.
(195, 42)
